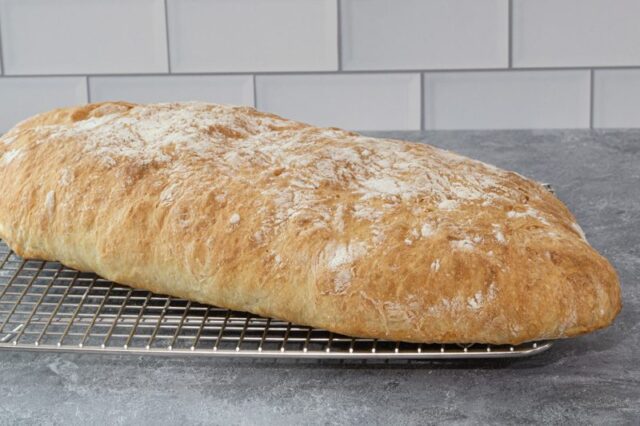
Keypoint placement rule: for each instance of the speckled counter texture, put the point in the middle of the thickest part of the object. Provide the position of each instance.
(594, 379)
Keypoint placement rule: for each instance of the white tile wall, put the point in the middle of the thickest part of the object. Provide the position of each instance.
(350, 63)
(361, 102)
(22, 97)
(1, 64)
(617, 98)
(414, 34)
(225, 89)
(83, 36)
(507, 99)
(557, 33)
(253, 35)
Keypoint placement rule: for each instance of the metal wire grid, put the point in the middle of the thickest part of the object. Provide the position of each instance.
(46, 306)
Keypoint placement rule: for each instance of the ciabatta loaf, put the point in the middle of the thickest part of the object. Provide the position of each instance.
(246, 210)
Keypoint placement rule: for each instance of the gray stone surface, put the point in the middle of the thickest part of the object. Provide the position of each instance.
(593, 379)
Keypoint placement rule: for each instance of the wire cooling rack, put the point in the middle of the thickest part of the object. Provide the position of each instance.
(46, 306)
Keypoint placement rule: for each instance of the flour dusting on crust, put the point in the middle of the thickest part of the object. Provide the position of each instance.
(9, 156)
(298, 167)
(50, 202)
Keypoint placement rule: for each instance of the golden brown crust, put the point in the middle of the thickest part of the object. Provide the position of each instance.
(246, 210)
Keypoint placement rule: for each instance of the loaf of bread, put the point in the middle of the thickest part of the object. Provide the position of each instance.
(318, 226)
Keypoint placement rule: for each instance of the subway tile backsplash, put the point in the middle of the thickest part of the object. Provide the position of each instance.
(617, 98)
(568, 33)
(357, 64)
(253, 35)
(223, 89)
(22, 97)
(506, 99)
(418, 34)
(360, 101)
(83, 36)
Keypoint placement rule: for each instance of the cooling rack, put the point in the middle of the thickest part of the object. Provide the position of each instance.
(47, 306)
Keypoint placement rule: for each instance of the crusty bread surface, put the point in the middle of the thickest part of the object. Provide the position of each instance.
(318, 226)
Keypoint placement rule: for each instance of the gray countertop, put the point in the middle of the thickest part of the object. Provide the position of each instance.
(591, 379)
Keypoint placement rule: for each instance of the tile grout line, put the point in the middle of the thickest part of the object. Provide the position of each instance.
(88, 89)
(166, 36)
(357, 72)
(510, 34)
(255, 92)
(339, 36)
(1, 55)
(422, 102)
(591, 97)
